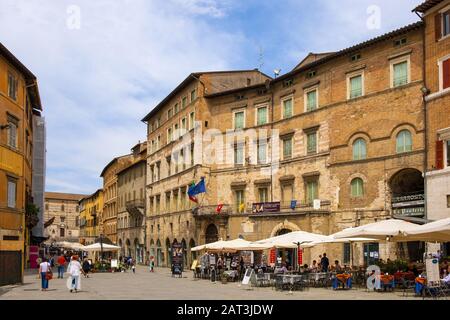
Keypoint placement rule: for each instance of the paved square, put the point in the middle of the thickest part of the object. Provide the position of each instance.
(160, 285)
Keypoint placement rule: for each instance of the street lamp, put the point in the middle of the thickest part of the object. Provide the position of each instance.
(101, 247)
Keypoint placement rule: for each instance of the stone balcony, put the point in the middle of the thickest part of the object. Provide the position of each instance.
(135, 207)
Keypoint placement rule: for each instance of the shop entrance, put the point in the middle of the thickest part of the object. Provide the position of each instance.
(211, 234)
(285, 256)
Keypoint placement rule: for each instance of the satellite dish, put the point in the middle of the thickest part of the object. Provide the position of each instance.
(277, 72)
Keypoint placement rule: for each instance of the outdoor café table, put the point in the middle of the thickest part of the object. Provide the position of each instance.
(344, 279)
(386, 281)
(291, 279)
(231, 274)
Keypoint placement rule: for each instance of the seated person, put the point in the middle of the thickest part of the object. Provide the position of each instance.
(337, 267)
(304, 268)
(283, 269)
(314, 266)
(446, 279)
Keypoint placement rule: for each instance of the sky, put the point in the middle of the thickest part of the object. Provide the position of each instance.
(103, 65)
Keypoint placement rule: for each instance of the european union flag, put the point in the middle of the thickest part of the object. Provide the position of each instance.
(199, 188)
(293, 204)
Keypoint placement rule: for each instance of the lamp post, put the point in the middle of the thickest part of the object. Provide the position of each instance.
(101, 247)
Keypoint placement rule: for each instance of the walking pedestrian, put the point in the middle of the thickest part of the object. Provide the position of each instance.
(61, 264)
(152, 264)
(133, 267)
(86, 267)
(45, 271)
(74, 269)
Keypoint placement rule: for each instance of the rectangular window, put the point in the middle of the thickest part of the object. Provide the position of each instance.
(158, 204)
(239, 154)
(169, 135)
(191, 120)
(287, 108)
(445, 74)
(287, 148)
(239, 118)
(13, 84)
(184, 102)
(448, 201)
(183, 125)
(400, 73)
(12, 192)
(12, 133)
(239, 197)
(262, 152)
(168, 162)
(168, 202)
(311, 191)
(61, 232)
(311, 139)
(263, 194)
(287, 194)
(346, 258)
(447, 153)
(356, 87)
(311, 100)
(175, 132)
(192, 154)
(446, 23)
(176, 108)
(169, 113)
(193, 95)
(261, 117)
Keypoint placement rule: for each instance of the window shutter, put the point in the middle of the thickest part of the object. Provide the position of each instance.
(437, 26)
(446, 74)
(439, 155)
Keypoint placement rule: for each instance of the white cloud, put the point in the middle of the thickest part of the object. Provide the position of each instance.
(98, 82)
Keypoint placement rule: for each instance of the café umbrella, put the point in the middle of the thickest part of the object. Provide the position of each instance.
(438, 231)
(290, 240)
(389, 230)
(98, 247)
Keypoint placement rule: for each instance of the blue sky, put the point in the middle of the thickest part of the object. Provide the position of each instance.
(97, 81)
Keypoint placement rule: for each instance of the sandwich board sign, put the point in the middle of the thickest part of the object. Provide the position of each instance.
(248, 274)
(432, 269)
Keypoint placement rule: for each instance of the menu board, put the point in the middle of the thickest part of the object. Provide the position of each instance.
(177, 257)
(432, 268)
(113, 263)
(248, 274)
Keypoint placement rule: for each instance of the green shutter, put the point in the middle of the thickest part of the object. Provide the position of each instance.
(356, 87)
(287, 108)
(262, 116)
(312, 142)
(239, 120)
(311, 100)
(400, 74)
(287, 148)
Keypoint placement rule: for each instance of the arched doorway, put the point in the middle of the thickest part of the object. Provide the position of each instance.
(193, 253)
(168, 257)
(185, 259)
(159, 254)
(211, 234)
(128, 248)
(152, 250)
(285, 256)
(408, 201)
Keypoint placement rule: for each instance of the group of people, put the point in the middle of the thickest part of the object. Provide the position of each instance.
(74, 269)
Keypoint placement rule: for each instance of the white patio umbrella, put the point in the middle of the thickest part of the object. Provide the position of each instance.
(98, 247)
(437, 231)
(341, 240)
(391, 230)
(213, 246)
(69, 245)
(290, 240)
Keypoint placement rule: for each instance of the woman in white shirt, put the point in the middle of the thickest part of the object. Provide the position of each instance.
(44, 268)
(74, 269)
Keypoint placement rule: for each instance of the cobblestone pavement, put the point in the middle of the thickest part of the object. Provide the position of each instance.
(160, 285)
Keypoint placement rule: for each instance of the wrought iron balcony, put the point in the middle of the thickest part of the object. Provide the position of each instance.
(135, 207)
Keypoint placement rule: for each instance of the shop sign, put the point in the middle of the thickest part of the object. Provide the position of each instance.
(266, 207)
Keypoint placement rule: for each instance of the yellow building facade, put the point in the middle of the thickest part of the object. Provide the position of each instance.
(19, 100)
(91, 209)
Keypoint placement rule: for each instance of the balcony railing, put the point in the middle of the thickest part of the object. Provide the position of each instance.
(212, 210)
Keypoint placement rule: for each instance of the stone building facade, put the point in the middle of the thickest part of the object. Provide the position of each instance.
(337, 142)
(436, 15)
(108, 220)
(131, 222)
(63, 209)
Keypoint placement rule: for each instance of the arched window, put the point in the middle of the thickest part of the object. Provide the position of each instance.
(359, 149)
(404, 141)
(357, 187)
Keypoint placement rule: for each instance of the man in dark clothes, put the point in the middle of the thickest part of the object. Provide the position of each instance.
(324, 263)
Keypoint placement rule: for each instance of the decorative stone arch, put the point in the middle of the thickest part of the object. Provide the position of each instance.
(358, 135)
(402, 126)
(284, 225)
(357, 175)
